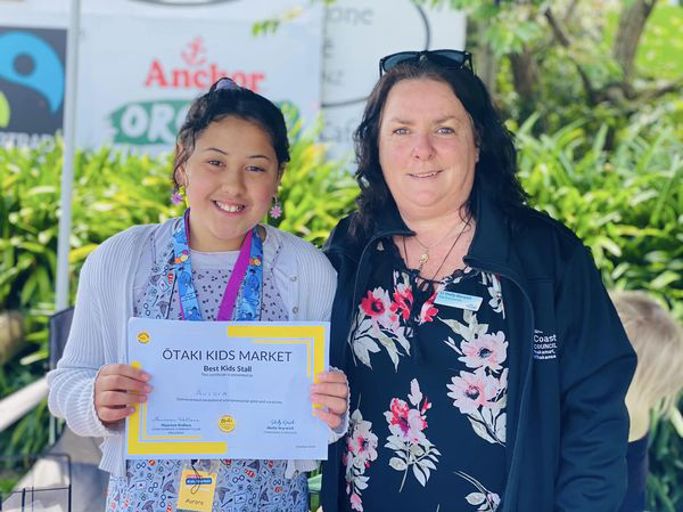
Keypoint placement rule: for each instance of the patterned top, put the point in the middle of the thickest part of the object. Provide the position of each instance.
(428, 390)
(242, 485)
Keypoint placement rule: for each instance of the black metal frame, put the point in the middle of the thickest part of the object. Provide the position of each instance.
(29, 492)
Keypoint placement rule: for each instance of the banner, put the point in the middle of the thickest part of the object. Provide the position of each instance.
(138, 94)
(32, 74)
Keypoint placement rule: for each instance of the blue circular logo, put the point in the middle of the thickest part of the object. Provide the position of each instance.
(30, 62)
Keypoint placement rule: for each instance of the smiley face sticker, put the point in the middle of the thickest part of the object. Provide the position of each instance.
(226, 423)
(144, 337)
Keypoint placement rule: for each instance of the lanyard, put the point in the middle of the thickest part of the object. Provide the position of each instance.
(244, 286)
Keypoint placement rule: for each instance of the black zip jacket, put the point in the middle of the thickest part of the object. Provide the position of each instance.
(570, 362)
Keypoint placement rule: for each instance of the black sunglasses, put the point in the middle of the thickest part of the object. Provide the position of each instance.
(455, 59)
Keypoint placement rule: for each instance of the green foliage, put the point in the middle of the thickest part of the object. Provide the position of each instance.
(659, 54)
(626, 205)
(315, 193)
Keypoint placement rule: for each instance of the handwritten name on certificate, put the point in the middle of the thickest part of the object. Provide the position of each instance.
(238, 390)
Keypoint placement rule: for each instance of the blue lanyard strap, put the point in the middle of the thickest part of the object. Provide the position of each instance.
(248, 302)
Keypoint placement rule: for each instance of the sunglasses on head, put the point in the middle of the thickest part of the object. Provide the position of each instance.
(455, 59)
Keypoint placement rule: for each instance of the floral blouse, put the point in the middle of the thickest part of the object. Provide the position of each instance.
(428, 391)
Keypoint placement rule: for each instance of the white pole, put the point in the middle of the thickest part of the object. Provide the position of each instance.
(63, 245)
(63, 240)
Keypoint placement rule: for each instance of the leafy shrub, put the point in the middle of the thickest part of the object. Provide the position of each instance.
(626, 205)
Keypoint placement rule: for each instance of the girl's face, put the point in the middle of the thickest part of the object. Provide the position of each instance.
(230, 180)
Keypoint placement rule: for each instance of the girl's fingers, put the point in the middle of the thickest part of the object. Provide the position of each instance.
(331, 391)
(117, 388)
(340, 390)
(118, 398)
(331, 376)
(114, 414)
(125, 371)
(333, 404)
(120, 383)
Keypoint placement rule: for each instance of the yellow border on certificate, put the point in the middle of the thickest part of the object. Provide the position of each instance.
(139, 444)
(311, 336)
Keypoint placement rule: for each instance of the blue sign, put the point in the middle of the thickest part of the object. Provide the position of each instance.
(32, 78)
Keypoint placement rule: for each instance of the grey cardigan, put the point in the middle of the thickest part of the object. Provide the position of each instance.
(304, 277)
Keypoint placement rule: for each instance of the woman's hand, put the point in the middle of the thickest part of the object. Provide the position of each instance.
(331, 390)
(117, 388)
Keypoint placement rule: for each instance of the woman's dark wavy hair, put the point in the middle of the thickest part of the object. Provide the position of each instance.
(219, 103)
(495, 171)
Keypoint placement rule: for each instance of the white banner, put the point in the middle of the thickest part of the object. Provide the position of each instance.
(137, 93)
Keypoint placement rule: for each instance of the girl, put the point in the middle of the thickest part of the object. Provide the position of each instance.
(230, 155)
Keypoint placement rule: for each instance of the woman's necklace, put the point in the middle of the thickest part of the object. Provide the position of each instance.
(424, 257)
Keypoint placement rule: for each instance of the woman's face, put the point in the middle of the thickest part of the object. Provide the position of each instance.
(427, 148)
(230, 179)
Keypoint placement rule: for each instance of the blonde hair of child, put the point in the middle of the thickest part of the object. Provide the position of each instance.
(658, 341)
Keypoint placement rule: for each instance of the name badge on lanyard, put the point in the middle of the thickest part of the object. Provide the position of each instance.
(458, 300)
(196, 491)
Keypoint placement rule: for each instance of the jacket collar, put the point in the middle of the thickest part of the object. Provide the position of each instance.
(491, 243)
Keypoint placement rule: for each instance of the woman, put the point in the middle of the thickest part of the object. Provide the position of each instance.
(486, 363)
(232, 150)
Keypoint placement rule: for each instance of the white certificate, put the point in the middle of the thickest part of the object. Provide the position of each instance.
(238, 390)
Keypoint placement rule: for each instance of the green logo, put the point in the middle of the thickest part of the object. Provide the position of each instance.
(143, 123)
(148, 122)
(5, 111)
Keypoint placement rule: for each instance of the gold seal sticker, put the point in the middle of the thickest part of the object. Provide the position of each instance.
(226, 423)
(144, 337)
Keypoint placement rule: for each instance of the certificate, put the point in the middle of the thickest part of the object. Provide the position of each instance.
(237, 390)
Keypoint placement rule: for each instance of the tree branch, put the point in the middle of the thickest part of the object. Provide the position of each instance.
(564, 41)
(525, 78)
(569, 13)
(558, 32)
(631, 25)
(647, 94)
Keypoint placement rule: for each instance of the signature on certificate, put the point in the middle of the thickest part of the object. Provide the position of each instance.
(281, 425)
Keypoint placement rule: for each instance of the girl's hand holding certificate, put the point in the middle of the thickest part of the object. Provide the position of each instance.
(117, 388)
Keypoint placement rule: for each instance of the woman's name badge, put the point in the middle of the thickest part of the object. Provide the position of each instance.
(458, 300)
(197, 489)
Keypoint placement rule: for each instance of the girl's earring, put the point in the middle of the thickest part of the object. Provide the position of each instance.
(276, 209)
(179, 195)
